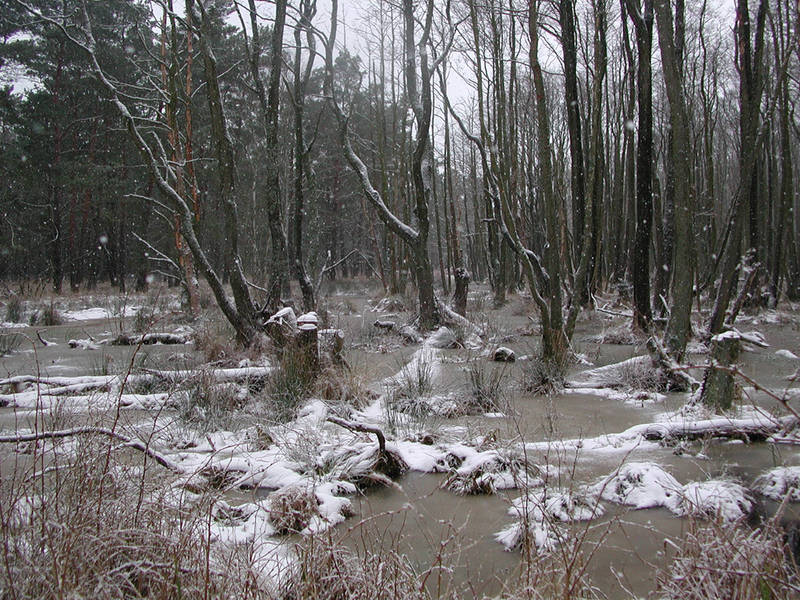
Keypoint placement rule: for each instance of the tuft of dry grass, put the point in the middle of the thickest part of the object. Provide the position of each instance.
(99, 527)
(718, 560)
(292, 508)
(543, 377)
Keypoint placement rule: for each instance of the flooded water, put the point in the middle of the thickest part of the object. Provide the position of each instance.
(423, 520)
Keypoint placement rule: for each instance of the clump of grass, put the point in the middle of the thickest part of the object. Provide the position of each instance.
(292, 508)
(102, 364)
(543, 377)
(328, 570)
(47, 315)
(718, 560)
(287, 387)
(642, 376)
(209, 405)
(14, 309)
(485, 386)
(9, 342)
(341, 386)
(215, 341)
(147, 315)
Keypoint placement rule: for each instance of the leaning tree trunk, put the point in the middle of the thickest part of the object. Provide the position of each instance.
(301, 78)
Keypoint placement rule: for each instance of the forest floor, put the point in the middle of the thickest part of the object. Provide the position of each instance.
(197, 463)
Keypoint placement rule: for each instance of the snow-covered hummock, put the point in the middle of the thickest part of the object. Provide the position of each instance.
(552, 504)
(503, 354)
(778, 483)
(539, 509)
(284, 317)
(488, 471)
(609, 374)
(751, 337)
(786, 354)
(713, 499)
(639, 484)
(538, 533)
(443, 338)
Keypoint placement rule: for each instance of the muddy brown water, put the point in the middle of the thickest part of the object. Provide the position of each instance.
(422, 520)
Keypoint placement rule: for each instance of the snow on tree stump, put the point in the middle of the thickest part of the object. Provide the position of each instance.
(282, 326)
(460, 294)
(308, 341)
(719, 385)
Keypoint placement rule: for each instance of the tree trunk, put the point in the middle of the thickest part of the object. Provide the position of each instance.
(462, 288)
(643, 23)
(679, 326)
(750, 89)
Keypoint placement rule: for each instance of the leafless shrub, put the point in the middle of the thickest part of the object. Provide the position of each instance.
(719, 560)
(329, 570)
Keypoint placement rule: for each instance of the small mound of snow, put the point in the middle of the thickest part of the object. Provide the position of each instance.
(786, 354)
(489, 471)
(389, 304)
(714, 499)
(778, 483)
(548, 504)
(538, 510)
(536, 533)
(639, 484)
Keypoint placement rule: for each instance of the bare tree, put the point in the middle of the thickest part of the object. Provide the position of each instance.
(418, 91)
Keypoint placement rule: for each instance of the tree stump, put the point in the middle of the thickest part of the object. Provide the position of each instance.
(460, 294)
(332, 343)
(307, 342)
(282, 326)
(719, 387)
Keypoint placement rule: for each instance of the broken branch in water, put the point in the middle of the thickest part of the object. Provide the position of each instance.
(363, 429)
(64, 433)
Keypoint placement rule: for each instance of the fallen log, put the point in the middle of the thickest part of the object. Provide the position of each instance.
(148, 339)
(65, 433)
(748, 430)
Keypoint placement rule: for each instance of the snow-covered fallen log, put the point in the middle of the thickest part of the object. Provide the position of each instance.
(29, 390)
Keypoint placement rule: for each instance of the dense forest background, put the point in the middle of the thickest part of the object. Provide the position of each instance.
(643, 146)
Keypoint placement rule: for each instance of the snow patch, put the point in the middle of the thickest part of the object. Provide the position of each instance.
(778, 483)
(639, 484)
(713, 499)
